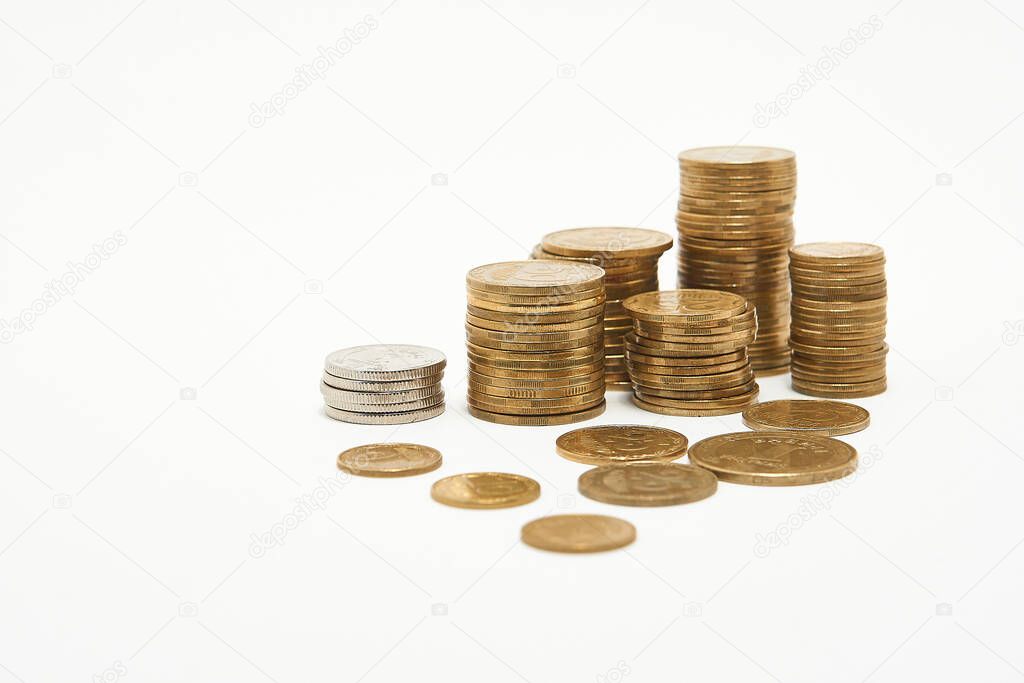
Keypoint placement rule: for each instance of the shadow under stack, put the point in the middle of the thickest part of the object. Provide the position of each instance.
(629, 257)
(735, 223)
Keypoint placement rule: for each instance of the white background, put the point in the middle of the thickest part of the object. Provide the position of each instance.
(127, 512)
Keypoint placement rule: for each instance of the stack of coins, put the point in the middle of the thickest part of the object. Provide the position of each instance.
(629, 257)
(383, 384)
(534, 334)
(735, 223)
(687, 352)
(838, 333)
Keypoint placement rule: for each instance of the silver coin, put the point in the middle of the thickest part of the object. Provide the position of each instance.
(384, 418)
(395, 385)
(383, 362)
(377, 397)
(403, 407)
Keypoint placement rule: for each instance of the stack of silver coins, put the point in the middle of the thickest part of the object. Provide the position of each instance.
(383, 384)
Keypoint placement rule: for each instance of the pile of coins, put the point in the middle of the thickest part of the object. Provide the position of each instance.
(535, 341)
(735, 223)
(383, 384)
(838, 332)
(629, 257)
(687, 352)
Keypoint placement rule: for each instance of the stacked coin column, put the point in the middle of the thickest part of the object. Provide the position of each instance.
(687, 353)
(534, 336)
(629, 257)
(839, 315)
(735, 223)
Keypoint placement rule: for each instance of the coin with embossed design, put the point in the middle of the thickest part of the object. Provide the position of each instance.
(774, 458)
(389, 459)
(824, 418)
(648, 484)
(608, 444)
(485, 490)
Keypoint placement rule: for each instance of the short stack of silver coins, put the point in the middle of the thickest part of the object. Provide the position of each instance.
(383, 384)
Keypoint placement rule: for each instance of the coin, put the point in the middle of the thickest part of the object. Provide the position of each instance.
(615, 242)
(480, 490)
(647, 484)
(846, 252)
(389, 459)
(685, 304)
(578, 533)
(376, 397)
(356, 417)
(387, 387)
(403, 407)
(380, 362)
(606, 444)
(536, 420)
(774, 458)
(539, 276)
(824, 418)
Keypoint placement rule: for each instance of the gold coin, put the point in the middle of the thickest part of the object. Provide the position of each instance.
(537, 277)
(508, 326)
(536, 420)
(480, 490)
(613, 242)
(691, 362)
(686, 371)
(578, 533)
(846, 252)
(487, 355)
(823, 418)
(693, 408)
(535, 316)
(389, 460)
(617, 444)
(657, 395)
(533, 299)
(540, 382)
(736, 155)
(535, 406)
(537, 309)
(774, 458)
(840, 390)
(487, 390)
(685, 305)
(647, 484)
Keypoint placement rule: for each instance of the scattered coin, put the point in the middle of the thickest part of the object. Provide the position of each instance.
(824, 418)
(485, 490)
(389, 460)
(648, 484)
(774, 458)
(608, 444)
(735, 229)
(578, 533)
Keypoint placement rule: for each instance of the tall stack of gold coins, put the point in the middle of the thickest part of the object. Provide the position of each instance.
(838, 333)
(687, 352)
(735, 223)
(535, 339)
(629, 257)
